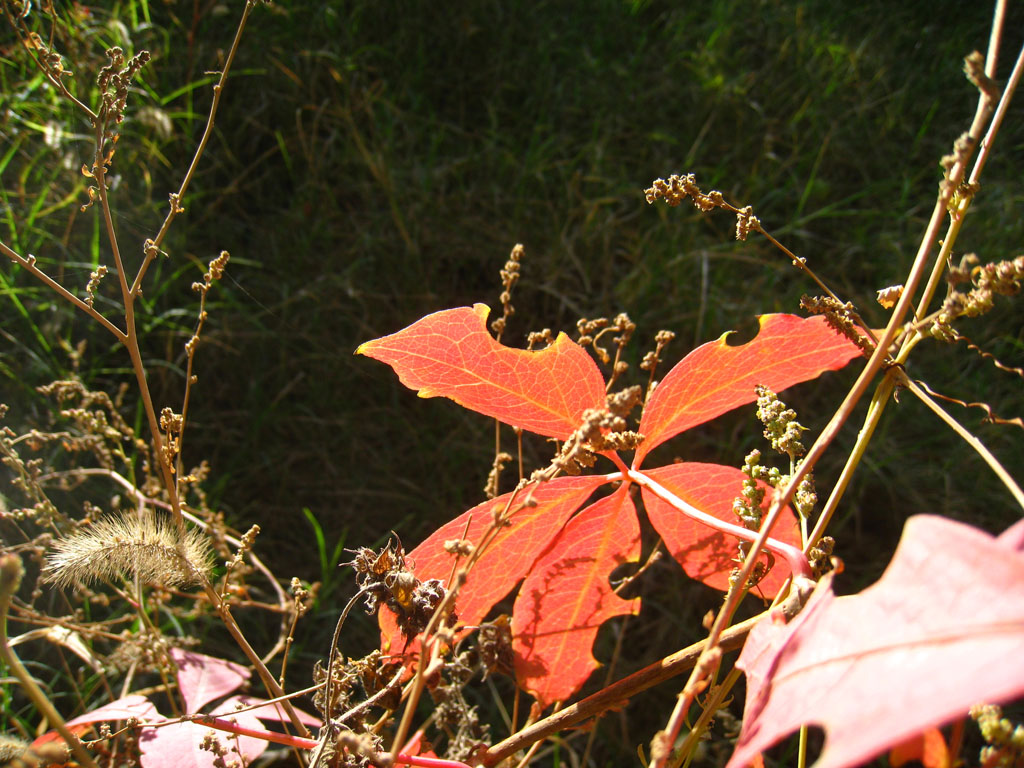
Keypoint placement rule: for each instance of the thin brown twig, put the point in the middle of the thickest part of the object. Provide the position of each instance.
(11, 571)
(619, 692)
(177, 197)
(30, 265)
(55, 81)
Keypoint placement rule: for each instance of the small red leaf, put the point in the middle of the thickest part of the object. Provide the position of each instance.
(940, 631)
(716, 378)
(704, 553)
(567, 597)
(507, 559)
(451, 354)
(928, 748)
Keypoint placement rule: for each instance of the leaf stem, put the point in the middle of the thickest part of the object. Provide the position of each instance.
(801, 755)
(794, 557)
(222, 724)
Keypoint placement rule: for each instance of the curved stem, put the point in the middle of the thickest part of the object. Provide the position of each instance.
(794, 557)
(971, 440)
(222, 724)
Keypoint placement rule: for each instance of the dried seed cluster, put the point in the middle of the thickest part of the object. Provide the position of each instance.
(603, 429)
(386, 579)
(149, 547)
(988, 280)
(509, 277)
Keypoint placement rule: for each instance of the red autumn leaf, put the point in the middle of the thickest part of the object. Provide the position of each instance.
(451, 354)
(508, 558)
(928, 748)
(940, 631)
(706, 554)
(567, 597)
(181, 745)
(715, 377)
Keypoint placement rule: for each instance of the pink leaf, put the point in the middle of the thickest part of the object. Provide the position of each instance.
(121, 709)
(716, 377)
(567, 597)
(704, 553)
(202, 679)
(941, 630)
(180, 745)
(451, 354)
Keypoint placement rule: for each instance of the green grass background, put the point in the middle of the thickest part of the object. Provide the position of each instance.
(374, 162)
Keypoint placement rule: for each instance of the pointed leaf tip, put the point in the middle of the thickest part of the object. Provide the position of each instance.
(451, 354)
(717, 377)
(509, 556)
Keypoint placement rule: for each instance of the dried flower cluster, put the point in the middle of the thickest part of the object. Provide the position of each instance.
(1004, 741)
(678, 188)
(509, 277)
(385, 578)
(1000, 278)
(544, 336)
(501, 460)
(114, 81)
(602, 429)
(781, 428)
(783, 431)
(843, 318)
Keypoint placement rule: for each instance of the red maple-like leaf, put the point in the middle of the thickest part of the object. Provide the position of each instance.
(704, 553)
(566, 598)
(507, 559)
(450, 353)
(941, 630)
(715, 377)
